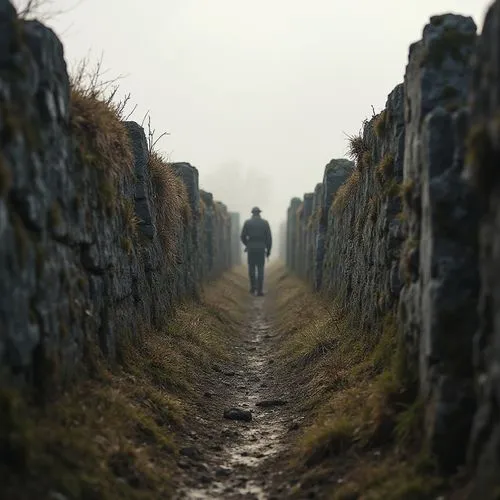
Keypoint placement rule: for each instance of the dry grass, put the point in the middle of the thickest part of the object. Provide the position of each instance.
(117, 435)
(362, 421)
(99, 137)
(346, 192)
(357, 147)
(385, 169)
(172, 205)
(96, 124)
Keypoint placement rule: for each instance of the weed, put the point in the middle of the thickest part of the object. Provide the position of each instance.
(385, 168)
(357, 148)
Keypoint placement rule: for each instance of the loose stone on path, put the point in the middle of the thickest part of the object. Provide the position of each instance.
(238, 414)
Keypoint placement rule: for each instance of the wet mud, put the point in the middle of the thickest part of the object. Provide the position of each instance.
(233, 459)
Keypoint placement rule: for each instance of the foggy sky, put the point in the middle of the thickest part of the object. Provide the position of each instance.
(258, 95)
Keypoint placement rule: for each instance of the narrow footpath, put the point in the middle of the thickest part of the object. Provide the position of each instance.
(246, 422)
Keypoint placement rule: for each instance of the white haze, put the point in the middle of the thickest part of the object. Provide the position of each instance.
(258, 95)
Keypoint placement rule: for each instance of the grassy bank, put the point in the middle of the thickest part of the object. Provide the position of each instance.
(360, 435)
(117, 435)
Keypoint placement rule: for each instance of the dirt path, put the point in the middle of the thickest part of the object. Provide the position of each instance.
(232, 459)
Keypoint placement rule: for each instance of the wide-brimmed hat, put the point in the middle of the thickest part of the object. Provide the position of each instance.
(256, 210)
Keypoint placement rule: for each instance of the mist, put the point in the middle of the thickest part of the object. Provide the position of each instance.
(259, 96)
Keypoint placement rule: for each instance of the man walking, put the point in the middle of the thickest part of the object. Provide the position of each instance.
(256, 236)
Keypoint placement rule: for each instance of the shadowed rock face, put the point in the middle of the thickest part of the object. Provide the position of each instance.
(73, 273)
(439, 300)
(482, 170)
(335, 174)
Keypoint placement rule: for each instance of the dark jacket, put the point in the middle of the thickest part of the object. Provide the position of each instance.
(256, 234)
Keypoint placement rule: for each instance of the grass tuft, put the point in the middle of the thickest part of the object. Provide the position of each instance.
(346, 193)
(385, 168)
(172, 205)
(100, 137)
(357, 147)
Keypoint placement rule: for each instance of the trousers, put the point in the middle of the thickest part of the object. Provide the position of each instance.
(256, 261)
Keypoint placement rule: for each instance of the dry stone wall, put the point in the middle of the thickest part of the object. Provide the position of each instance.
(83, 264)
(482, 169)
(409, 230)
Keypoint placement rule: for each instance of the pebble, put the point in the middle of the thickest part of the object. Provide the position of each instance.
(238, 414)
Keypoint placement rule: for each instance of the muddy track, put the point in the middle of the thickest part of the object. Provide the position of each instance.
(234, 459)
